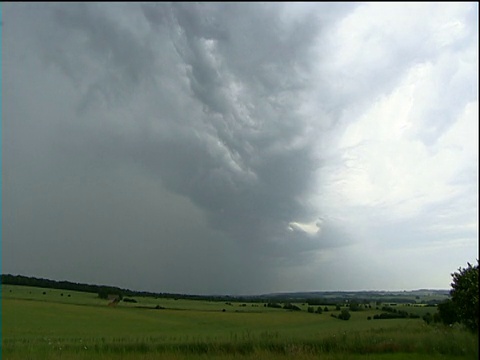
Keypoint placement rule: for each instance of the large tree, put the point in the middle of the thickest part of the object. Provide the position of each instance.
(465, 296)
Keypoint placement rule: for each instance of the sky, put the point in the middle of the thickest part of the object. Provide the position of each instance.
(240, 148)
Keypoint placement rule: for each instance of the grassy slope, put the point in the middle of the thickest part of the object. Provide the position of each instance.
(44, 326)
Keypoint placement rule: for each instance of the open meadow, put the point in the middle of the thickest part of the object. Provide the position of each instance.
(42, 323)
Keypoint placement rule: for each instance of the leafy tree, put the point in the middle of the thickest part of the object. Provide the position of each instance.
(465, 296)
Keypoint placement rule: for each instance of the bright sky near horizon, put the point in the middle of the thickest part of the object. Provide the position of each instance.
(240, 148)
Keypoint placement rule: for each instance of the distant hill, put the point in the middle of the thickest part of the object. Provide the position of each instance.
(68, 285)
(426, 296)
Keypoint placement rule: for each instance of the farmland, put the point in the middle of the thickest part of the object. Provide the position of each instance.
(42, 323)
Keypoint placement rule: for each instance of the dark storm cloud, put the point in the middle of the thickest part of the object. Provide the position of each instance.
(201, 98)
(236, 163)
(178, 146)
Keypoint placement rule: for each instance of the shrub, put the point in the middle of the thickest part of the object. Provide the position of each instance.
(428, 318)
(447, 312)
(344, 314)
(129, 300)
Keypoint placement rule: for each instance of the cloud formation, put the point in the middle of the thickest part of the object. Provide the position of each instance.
(240, 148)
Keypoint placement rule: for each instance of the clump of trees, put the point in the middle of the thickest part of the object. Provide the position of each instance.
(354, 306)
(105, 293)
(286, 306)
(463, 305)
(274, 305)
(312, 310)
(289, 306)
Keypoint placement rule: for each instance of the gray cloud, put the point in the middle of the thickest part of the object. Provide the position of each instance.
(171, 146)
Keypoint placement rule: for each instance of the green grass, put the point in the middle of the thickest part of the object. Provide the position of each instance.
(51, 326)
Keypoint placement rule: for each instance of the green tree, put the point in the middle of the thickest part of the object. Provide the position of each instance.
(465, 296)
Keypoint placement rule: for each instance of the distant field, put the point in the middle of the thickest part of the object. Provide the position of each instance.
(49, 324)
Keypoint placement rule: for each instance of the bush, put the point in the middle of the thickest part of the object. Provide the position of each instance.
(389, 309)
(319, 310)
(428, 318)
(344, 315)
(388, 316)
(129, 300)
(310, 309)
(447, 313)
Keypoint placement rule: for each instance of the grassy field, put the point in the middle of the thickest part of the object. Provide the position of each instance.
(57, 324)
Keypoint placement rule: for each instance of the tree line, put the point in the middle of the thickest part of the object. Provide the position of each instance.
(104, 290)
